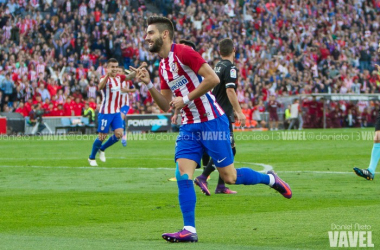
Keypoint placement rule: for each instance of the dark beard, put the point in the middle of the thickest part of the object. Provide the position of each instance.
(156, 45)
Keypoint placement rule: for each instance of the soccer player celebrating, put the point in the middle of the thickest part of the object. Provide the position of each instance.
(201, 116)
(111, 87)
(109, 113)
(369, 173)
(226, 97)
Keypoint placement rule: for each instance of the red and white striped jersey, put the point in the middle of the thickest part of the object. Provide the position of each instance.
(111, 95)
(40, 68)
(125, 96)
(178, 72)
(91, 91)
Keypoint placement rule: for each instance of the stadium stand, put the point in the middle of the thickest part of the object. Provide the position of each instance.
(53, 50)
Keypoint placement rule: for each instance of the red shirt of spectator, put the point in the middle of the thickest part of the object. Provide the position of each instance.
(68, 107)
(59, 111)
(38, 99)
(53, 88)
(49, 111)
(92, 105)
(324, 52)
(22, 109)
(97, 15)
(265, 93)
(46, 104)
(313, 106)
(128, 51)
(78, 107)
(81, 72)
(28, 105)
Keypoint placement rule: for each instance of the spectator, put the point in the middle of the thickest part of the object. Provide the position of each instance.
(43, 92)
(7, 86)
(280, 49)
(88, 112)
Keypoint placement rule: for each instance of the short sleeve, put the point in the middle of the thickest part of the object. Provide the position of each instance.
(189, 57)
(122, 78)
(231, 76)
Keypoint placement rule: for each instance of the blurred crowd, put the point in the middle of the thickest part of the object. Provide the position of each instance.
(53, 52)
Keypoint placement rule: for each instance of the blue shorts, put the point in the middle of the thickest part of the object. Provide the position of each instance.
(107, 120)
(124, 109)
(213, 137)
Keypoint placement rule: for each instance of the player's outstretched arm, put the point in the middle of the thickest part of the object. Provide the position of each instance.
(210, 80)
(132, 75)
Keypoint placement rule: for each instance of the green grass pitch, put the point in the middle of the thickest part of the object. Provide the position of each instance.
(51, 199)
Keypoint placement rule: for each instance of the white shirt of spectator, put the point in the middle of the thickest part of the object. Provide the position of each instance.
(294, 110)
(83, 9)
(68, 6)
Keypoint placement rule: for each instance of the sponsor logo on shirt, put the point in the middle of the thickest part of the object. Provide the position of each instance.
(115, 89)
(233, 73)
(177, 83)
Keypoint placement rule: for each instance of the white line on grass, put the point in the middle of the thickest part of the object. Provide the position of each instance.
(265, 166)
(81, 158)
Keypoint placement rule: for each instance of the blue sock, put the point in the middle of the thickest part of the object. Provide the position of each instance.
(187, 200)
(112, 140)
(375, 156)
(95, 148)
(124, 127)
(249, 176)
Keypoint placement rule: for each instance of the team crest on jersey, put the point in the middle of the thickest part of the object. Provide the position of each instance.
(174, 67)
(233, 73)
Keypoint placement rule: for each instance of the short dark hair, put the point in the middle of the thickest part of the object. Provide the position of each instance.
(112, 60)
(188, 43)
(226, 47)
(162, 24)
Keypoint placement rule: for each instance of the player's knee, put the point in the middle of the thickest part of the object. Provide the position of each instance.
(229, 178)
(119, 135)
(178, 175)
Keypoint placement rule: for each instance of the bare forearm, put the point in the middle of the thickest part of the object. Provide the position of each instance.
(161, 101)
(130, 76)
(233, 100)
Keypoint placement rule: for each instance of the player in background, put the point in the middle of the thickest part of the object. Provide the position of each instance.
(273, 104)
(225, 94)
(111, 88)
(201, 114)
(369, 173)
(109, 112)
